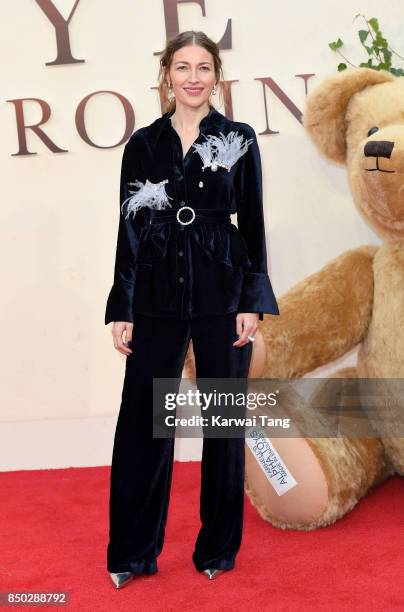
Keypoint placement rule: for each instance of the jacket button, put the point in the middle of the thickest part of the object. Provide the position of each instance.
(181, 279)
(180, 253)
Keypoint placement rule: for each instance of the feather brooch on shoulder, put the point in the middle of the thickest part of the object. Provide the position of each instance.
(148, 194)
(223, 151)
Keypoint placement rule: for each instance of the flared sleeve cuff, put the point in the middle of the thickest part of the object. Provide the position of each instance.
(119, 303)
(257, 295)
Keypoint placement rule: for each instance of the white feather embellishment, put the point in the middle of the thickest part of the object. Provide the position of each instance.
(223, 151)
(148, 194)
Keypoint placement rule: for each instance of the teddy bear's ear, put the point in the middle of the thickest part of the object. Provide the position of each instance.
(325, 108)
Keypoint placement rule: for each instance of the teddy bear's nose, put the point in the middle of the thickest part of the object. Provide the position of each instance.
(378, 148)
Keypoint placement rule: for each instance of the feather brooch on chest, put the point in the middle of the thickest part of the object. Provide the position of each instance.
(148, 194)
(223, 151)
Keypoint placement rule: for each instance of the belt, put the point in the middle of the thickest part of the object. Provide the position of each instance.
(187, 215)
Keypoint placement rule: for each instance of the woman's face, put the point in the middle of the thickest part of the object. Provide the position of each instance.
(192, 75)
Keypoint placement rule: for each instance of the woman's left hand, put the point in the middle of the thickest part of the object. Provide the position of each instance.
(247, 325)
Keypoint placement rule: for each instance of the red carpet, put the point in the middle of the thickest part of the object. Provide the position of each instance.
(54, 537)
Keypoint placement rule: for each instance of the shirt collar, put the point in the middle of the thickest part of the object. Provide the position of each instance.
(213, 118)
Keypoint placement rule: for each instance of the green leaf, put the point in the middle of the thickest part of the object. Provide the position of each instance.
(368, 64)
(387, 56)
(336, 44)
(397, 71)
(341, 66)
(363, 35)
(374, 24)
(380, 41)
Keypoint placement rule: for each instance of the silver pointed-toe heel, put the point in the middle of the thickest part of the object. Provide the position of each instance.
(121, 579)
(212, 573)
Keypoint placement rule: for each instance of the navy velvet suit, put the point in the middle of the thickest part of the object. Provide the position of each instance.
(178, 283)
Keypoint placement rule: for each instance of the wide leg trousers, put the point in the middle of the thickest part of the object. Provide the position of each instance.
(141, 469)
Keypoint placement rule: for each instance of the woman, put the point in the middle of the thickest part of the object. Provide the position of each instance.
(183, 271)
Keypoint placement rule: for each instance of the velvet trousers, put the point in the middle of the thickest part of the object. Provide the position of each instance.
(141, 470)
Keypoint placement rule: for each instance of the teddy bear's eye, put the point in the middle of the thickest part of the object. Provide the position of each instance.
(373, 130)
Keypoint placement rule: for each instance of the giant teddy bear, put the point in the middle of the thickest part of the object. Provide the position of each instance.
(355, 118)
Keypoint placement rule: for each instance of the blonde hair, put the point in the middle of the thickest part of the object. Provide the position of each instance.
(190, 37)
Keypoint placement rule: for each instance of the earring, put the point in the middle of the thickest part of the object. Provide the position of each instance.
(171, 94)
(213, 92)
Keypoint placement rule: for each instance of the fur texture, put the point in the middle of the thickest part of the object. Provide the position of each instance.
(325, 108)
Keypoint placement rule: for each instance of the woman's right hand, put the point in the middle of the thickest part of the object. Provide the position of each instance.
(120, 343)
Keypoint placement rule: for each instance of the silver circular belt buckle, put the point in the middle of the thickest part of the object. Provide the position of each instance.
(185, 222)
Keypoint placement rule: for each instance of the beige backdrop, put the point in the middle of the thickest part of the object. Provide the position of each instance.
(60, 210)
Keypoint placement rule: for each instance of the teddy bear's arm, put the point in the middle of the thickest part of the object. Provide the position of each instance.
(323, 316)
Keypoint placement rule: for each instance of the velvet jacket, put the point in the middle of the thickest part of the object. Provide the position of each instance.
(167, 267)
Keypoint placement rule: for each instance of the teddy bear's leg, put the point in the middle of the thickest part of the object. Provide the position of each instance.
(332, 473)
